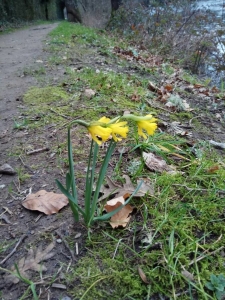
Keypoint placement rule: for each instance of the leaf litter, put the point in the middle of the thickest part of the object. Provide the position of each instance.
(31, 262)
(112, 189)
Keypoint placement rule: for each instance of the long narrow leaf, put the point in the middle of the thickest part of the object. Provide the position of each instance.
(27, 281)
(94, 161)
(68, 181)
(87, 196)
(71, 167)
(101, 177)
(73, 204)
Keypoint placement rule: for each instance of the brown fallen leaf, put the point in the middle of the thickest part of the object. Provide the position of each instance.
(127, 188)
(31, 262)
(213, 169)
(122, 217)
(46, 202)
(188, 275)
(142, 275)
(89, 93)
(168, 87)
(152, 87)
(156, 163)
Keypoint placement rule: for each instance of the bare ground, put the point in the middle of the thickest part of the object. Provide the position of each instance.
(19, 51)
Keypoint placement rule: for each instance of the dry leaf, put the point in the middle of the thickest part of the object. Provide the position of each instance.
(152, 87)
(142, 275)
(31, 262)
(177, 128)
(122, 217)
(213, 169)
(127, 188)
(168, 87)
(156, 163)
(46, 202)
(188, 275)
(89, 93)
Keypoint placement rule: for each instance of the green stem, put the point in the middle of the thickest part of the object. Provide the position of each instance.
(72, 175)
(101, 177)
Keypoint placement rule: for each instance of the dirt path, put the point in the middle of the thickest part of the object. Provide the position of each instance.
(18, 50)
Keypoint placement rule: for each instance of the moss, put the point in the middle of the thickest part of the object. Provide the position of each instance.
(49, 94)
(103, 278)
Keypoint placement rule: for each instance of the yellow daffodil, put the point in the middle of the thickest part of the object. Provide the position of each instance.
(147, 123)
(118, 128)
(98, 133)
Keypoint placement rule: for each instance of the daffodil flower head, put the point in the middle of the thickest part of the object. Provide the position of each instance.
(99, 133)
(117, 127)
(146, 123)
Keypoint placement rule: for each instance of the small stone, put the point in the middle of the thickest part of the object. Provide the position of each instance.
(89, 93)
(59, 241)
(2, 186)
(77, 235)
(7, 169)
(59, 286)
(32, 232)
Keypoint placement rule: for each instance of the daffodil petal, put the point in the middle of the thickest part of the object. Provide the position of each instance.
(104, 120)
(101, 132)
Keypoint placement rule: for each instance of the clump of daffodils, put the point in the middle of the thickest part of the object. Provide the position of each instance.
(104, 128)
(100, 131)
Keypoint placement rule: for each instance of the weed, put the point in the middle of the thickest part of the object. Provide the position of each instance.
(216, 285)
(22, 176)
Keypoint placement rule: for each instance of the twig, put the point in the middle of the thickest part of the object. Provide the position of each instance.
(26, 166)
(204, 256)
(66, 244)
(190, 121)
(38, 218)
(38, 150)
(17, 187)
(156, 106)
(116, 248)
(217, 145)
(199, 190)
(5, 218)
(14, 249)
(61, 115)
(76, 246)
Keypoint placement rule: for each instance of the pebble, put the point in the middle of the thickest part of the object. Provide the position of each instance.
(59, 241)
(7, 169)
(77, 235)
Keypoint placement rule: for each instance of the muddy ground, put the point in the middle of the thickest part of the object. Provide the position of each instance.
(20, 51)
(20, 228)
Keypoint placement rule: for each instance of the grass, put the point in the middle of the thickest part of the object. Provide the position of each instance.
(177, 235)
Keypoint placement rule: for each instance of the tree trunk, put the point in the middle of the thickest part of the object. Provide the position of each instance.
(93, 13)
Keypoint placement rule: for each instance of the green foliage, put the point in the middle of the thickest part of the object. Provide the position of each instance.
(27, 10)
(106, 278)
(217, 285)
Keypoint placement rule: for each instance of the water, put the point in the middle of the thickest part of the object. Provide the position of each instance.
(216, 6)
(214, 68)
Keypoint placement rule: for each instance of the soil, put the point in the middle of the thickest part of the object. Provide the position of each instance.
(21, 50)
